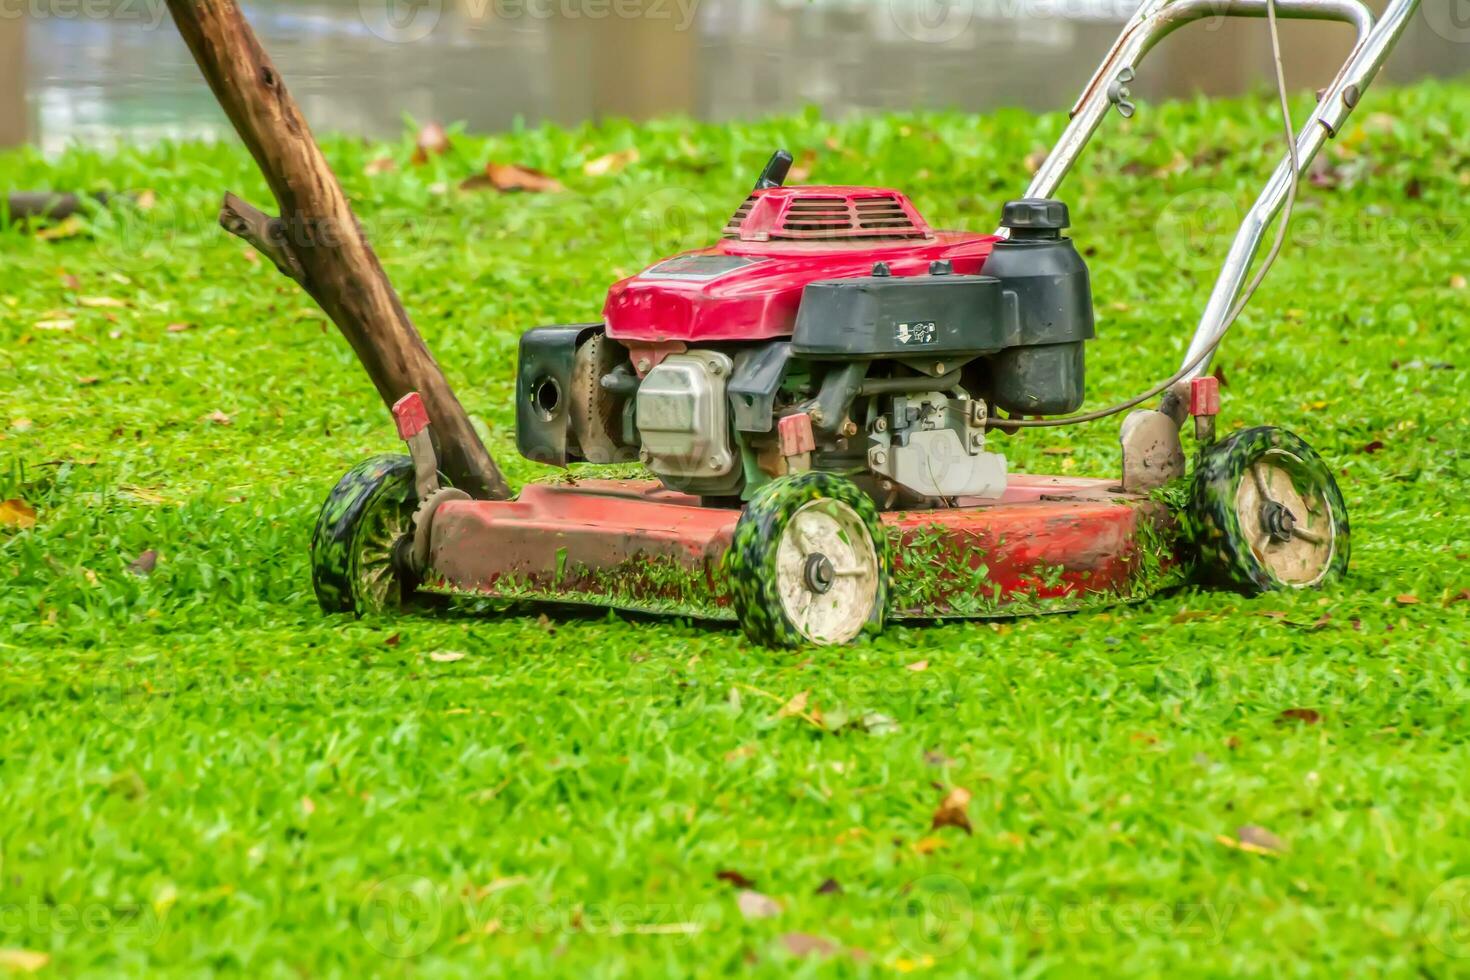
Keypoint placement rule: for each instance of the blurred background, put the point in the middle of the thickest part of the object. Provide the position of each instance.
(104, 71)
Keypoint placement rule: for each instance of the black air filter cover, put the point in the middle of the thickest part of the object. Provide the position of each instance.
(899, 316)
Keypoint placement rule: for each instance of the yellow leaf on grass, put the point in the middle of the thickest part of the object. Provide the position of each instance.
(61, 324)
(102, 303)
(66, 228)
(918, 666)
(610, 163)
(1253, 840)
(17, 513)
(23, 960)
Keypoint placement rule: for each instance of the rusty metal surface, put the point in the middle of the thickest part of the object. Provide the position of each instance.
(634, 544)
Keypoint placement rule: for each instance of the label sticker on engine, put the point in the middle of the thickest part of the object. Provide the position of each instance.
(916, 334)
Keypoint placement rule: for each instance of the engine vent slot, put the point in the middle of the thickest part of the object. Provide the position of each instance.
(826, 215)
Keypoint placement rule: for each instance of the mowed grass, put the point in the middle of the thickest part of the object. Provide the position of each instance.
(202, 773)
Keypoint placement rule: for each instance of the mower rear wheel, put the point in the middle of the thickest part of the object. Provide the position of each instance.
(809, 563)
(363, 535)
(1266, 513)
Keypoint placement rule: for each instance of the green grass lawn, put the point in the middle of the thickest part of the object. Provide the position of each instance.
(201, 772)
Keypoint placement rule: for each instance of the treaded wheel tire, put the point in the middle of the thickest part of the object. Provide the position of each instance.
(786, 589)
(1237, 485)
(353, 563)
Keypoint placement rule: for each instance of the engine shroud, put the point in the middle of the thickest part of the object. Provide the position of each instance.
(892, 342)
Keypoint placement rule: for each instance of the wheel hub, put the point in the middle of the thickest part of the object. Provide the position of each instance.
(819, 573)
(1278, 521)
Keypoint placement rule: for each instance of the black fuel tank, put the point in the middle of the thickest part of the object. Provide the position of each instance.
(884, 316)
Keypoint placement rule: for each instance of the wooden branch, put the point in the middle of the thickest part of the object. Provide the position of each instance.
(265, 234)
(317, 240)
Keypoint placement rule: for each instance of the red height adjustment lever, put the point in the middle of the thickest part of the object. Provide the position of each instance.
(1204, 405)
(413, 428)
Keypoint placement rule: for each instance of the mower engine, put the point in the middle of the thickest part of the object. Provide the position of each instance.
(830, 329)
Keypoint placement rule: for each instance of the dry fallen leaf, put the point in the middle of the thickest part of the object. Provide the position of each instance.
(88, 380)
(219, 418)
(1306, 716)
(17, 513)
(1254, 840)
(795, 706)
(804, 944)
(181, 327)
(610, 163)
(22, 960)
(308, 806)
(754, 905)
(432, 141)
(918, 666)
(734, 877)
(446, 656)
(1407, 599)
(58, 325)
(382, 165)
(102, 303)
(507, 177)
(1458, 281)
(144, 564)
(928, 845)
(146, 200)
(954, 811)
(801, 170)
(830, 886)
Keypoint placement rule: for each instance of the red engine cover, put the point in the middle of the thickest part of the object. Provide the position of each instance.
(749, 285)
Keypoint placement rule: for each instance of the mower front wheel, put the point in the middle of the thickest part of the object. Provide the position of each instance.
(809, 563)
(1266, 513)
(359, 551)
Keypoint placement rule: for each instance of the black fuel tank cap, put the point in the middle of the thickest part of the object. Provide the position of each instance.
(1034, 214)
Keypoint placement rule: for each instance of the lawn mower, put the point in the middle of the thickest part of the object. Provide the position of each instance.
(820, 399)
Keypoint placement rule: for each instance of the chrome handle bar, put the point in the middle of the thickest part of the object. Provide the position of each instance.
(1157, 19)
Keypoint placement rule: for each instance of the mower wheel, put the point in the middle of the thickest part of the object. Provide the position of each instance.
(809, 563)
(363, 535)
(1266, 514)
